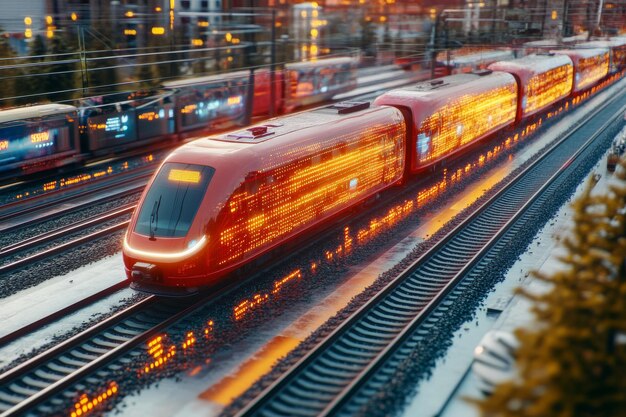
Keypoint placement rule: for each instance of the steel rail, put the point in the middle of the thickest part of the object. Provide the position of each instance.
(62, 247)
(59, 314)
(29, 243)
(73, 341)
(30, 366)
(44, 201)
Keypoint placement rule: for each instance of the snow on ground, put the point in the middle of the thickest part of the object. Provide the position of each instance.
(50, 296)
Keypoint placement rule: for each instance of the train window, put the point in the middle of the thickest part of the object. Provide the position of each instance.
(173, 200)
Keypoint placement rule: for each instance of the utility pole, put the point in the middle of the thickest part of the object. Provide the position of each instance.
(83, 59)
(273, 66)
(600, 5)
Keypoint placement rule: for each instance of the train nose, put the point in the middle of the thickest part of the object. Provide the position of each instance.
(143, 271)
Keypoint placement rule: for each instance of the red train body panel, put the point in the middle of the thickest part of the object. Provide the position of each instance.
(263, 93)
(303, 84)
(543, 79)
(445, 116)
(255, 189)
(617, 51)
(590, 66)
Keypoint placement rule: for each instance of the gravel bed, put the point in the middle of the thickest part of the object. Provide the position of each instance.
(75, 216)
(58, 338)
(32, 275)
(418, 366)
(65, 238)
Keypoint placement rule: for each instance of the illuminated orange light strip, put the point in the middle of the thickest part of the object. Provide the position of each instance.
(85, 405)
(467, 118)
(40, 137)
(548, 87)
(393, 216)
(183, 175)
(234, 100)
(592, 69)
(166, 257)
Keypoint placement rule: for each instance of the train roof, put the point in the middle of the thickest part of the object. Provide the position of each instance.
(188, 82)
(453, 85)
(542, 42)
(31, 112)
(293, 134)
(582, 53)
(534, 63)
(481, 56)
(320, 62)
(607, 43)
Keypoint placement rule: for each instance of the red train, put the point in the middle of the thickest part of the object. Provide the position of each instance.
(226, 201)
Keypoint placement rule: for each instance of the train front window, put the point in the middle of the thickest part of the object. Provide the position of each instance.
(173, 200)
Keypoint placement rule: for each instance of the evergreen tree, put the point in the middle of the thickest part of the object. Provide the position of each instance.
(7, 74)
(573, 362)
(101, 61)
(62, 75)
(32, 82)
(368, 37)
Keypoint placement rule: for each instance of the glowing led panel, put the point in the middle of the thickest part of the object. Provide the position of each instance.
(453, 112)
(262, 186)
(308, 176)
(590, 65)
(182, 175)
(546, 79)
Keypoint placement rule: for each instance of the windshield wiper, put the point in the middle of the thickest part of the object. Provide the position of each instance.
(154, 218)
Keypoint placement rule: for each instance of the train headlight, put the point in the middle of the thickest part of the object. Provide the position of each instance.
(192, 243)
(166, 256)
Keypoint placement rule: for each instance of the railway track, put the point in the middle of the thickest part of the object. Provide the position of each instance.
(47, 239)
(26, 252)
(48, 206)
(361, 356)
(34, 380)
(60, 314)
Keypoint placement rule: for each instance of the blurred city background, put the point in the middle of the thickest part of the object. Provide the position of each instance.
(58, 50)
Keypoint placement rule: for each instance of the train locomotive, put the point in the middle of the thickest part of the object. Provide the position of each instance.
(224, 203)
